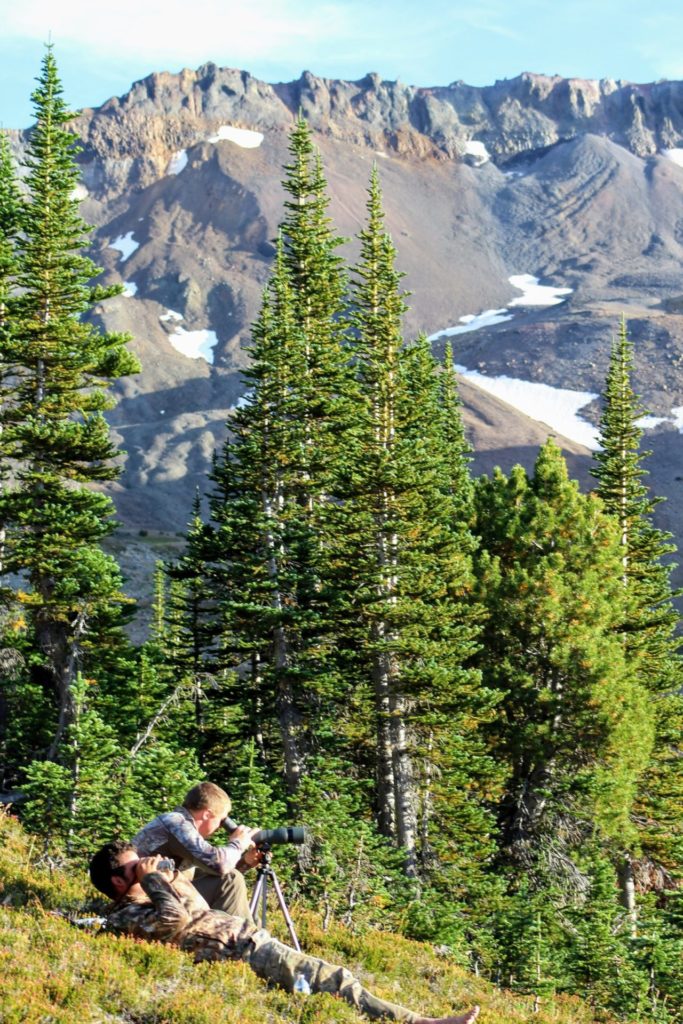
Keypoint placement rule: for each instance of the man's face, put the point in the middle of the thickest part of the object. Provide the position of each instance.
(124, 875)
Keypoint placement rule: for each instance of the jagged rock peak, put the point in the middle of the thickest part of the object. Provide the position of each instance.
(165, 112)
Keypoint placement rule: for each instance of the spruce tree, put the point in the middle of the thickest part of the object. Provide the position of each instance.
(406, 561)
(54, 425)
(648, 628)
(10, 216)
(574, 728)
(278, 476)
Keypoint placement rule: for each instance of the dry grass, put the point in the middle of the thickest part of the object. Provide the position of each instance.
(55, 973)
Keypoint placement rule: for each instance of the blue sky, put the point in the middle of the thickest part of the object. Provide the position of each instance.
(101, 50)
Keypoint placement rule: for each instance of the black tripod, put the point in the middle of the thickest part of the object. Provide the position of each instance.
(260, 895)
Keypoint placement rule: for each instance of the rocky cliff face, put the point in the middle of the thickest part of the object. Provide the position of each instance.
(578, 184)
(130, 140)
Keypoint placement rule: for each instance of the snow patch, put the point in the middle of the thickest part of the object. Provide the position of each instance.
(240, 136)
(478, 151)
(378, 152)
(535, 294)
(126, 245)
(129, 289)
(677, 417)
(171, 314)
(470, 322)
(675, 155)
(194, 344)
(558, 407)
(80, 192)
(178, 162)
(650, 422)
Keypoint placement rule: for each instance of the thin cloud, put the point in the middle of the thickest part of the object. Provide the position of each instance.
(171, 32)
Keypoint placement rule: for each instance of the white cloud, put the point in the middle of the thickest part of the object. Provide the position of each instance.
(171, 32)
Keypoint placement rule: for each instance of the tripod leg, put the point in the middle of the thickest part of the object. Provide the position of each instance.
(259, 896)
(262, 889)
(285, 912)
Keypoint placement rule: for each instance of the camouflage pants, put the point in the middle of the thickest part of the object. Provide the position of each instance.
(280, 964)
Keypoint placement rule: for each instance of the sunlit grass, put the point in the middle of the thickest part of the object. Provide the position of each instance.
(55, 973)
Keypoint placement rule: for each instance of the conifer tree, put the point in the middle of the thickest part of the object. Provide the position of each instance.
(189, 644)
(54, 425)
(648, 629)
(277, 477)
(407, 564)
(574, 728)
(10, 214)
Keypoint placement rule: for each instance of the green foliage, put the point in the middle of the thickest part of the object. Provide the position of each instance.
(53, 428)
(575, 729)
(54, 971)
(349, 871)
(648, 627)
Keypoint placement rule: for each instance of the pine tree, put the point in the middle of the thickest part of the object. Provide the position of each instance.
(648, 628)
(277, 477)
(574, 728)
(54, 426)
(406, 562)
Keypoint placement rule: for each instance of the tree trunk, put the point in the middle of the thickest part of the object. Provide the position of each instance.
(287, 714)
(628, 894)
(386, 791)
(404, 785)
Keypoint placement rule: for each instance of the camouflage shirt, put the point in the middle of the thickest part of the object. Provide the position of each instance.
(174, 834)
(175, 912)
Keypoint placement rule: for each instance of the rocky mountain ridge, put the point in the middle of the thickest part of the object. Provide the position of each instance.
(133, 137)
(577, 184)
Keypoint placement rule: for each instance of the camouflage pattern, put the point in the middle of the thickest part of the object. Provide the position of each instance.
(175, 912)
(174, 834)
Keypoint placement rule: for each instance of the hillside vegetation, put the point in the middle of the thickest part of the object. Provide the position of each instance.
(56, 972)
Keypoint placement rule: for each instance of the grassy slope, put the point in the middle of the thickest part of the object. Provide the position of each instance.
(54, 973)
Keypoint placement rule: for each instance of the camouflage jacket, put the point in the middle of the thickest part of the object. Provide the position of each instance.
(174, 834)
(175, 912)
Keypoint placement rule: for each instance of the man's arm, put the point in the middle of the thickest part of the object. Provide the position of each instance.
(161, 918)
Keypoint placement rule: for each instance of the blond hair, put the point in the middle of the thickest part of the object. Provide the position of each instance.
(207, 796)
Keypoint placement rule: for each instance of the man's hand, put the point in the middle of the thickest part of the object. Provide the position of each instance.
(250, 859)
(146, 865)
(242, 835)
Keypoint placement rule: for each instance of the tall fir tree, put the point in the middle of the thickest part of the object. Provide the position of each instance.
(10, 218)
(407, 566)
(648, 628)
(54, 426)
(281, 468)
(574, 728)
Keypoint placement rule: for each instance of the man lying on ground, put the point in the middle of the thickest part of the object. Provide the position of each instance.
(215, 871)
(164, 906)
